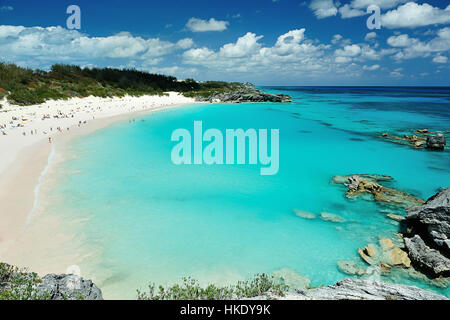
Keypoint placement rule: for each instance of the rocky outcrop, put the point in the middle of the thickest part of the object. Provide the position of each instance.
(419, 139)
(361, 184)
(247, 93)
(385, 255)
(19, 284)
(427, 237)
(429, 260)
(355, 289)
(436, 142)
(69, 287)
(431, 221)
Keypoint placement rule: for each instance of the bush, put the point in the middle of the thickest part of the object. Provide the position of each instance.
(17, 284)
(191, 290)
(28, 86)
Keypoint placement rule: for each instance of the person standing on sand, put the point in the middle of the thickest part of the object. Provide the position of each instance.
(49, 139)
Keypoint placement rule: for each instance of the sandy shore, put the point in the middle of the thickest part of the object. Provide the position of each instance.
(26, 236)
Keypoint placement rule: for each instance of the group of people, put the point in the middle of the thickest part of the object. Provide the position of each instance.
(59, 115)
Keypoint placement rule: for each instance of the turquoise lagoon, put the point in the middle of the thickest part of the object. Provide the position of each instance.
(150, 221)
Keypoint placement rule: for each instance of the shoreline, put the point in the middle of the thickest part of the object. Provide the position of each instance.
(24, 174)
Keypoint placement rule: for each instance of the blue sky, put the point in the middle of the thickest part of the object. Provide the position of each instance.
(267, 42)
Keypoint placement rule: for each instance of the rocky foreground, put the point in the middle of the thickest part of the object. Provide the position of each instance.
(425, 249)
(246, 93)
(355, 289)
(18, 284)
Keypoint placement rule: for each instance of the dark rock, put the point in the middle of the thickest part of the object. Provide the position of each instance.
(69, 287)
(436, 142)
(431, 221)
(246, 93)
(429, 260)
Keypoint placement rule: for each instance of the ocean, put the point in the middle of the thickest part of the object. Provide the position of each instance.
(147, 220)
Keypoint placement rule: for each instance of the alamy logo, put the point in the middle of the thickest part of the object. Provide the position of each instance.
(74, 279)
(374, 21)
(236, 142)
(74, 20)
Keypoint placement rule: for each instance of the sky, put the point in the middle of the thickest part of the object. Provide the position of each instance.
(266, 42)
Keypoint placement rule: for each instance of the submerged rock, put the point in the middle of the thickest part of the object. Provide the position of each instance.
(332, 217)
(291, 278)
(429, 260)
(350, 267)
(395, 217)
(304, 214)
(363, 184)
(436, 142)
(387, 244)
(355, 289)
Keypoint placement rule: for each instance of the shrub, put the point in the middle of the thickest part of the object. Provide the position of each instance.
(16, 284)
(191, 290)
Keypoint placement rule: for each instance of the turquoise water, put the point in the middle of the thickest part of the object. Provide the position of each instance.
(152, 221)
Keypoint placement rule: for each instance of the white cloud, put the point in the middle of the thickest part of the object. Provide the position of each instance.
(185, 43)
(342, 59)
(413, 47)
(199, 25)
(402, 40)
(370, 36)
(336, 38)
(6, 8)
(383, 4)
(194, 56)
(411, 15)
(323, 8)
(397, 73)
(371, 68)
(348, 12)
(291, 52)
(349, 51)
(440, 59)
(245, 46)
(41, 47)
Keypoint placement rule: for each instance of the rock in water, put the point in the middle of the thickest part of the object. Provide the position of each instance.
(350, 267)
(69, 287)
(431, 261)
(398, 257)
(431, 221)
(291, 278)
(332, 217)
(436, 142)
(304, 214)
(361, 184)
(395, 217)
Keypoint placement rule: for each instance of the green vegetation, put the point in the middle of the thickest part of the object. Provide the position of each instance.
(16, 284)
(191, 290)
(26, 86)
